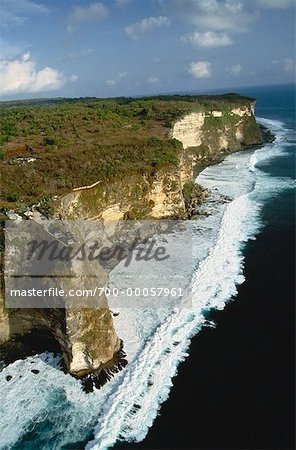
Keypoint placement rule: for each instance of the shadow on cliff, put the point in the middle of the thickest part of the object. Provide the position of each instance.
(30, 339)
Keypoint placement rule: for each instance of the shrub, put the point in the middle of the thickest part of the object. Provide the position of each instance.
(53, 141)
(13, 197)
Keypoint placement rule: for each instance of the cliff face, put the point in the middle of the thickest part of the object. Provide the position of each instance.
(138, 197)
(215, 131)
(86, 336)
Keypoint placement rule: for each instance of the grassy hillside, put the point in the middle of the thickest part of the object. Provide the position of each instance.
(48, 147)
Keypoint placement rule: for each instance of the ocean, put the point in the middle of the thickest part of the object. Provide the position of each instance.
(217, 376)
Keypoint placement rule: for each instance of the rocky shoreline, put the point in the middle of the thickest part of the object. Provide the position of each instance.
(196, 195)
(103, 375)
(267, 136)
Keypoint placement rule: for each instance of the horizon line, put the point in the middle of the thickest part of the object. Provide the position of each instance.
(234, 90)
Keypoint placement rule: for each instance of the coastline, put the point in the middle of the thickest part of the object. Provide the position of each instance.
(166, 194)
(100, 404)
(154, 347)
(267, 135)
(237, 222)
(198, 168)
(26, 346)
(243, 358)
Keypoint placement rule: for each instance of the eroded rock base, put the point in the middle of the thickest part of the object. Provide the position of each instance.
(102, 376)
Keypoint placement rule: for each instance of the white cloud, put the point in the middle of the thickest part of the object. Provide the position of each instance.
(15, 12)
(208, 39)
(146, 25)
(20, 75)
(274, 4)
(235, 70)
(91, 13)
(213, 15)
(152, 80)
(122, 74)
(200, 69)
(73, 78)
(287, 65)
(111, 83)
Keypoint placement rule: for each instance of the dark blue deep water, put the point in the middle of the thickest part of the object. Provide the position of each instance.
(236, 389)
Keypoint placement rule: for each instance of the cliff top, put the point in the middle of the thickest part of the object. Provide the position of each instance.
(50, 146)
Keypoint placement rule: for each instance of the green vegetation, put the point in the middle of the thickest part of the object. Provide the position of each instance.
(188, 189)
(76, 142)
(227, 119)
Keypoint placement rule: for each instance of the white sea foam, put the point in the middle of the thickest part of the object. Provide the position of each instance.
(125, 408)
(131, 410)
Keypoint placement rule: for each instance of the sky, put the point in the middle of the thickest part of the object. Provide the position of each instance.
(107, 48)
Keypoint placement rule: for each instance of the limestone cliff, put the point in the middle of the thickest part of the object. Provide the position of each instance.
(204, 137)
(157, 195)
(212, 132)
(86, 336)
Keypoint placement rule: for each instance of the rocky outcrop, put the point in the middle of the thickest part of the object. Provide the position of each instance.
(81, 327)
(267, 135)
(93, 340)
(86, 336)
